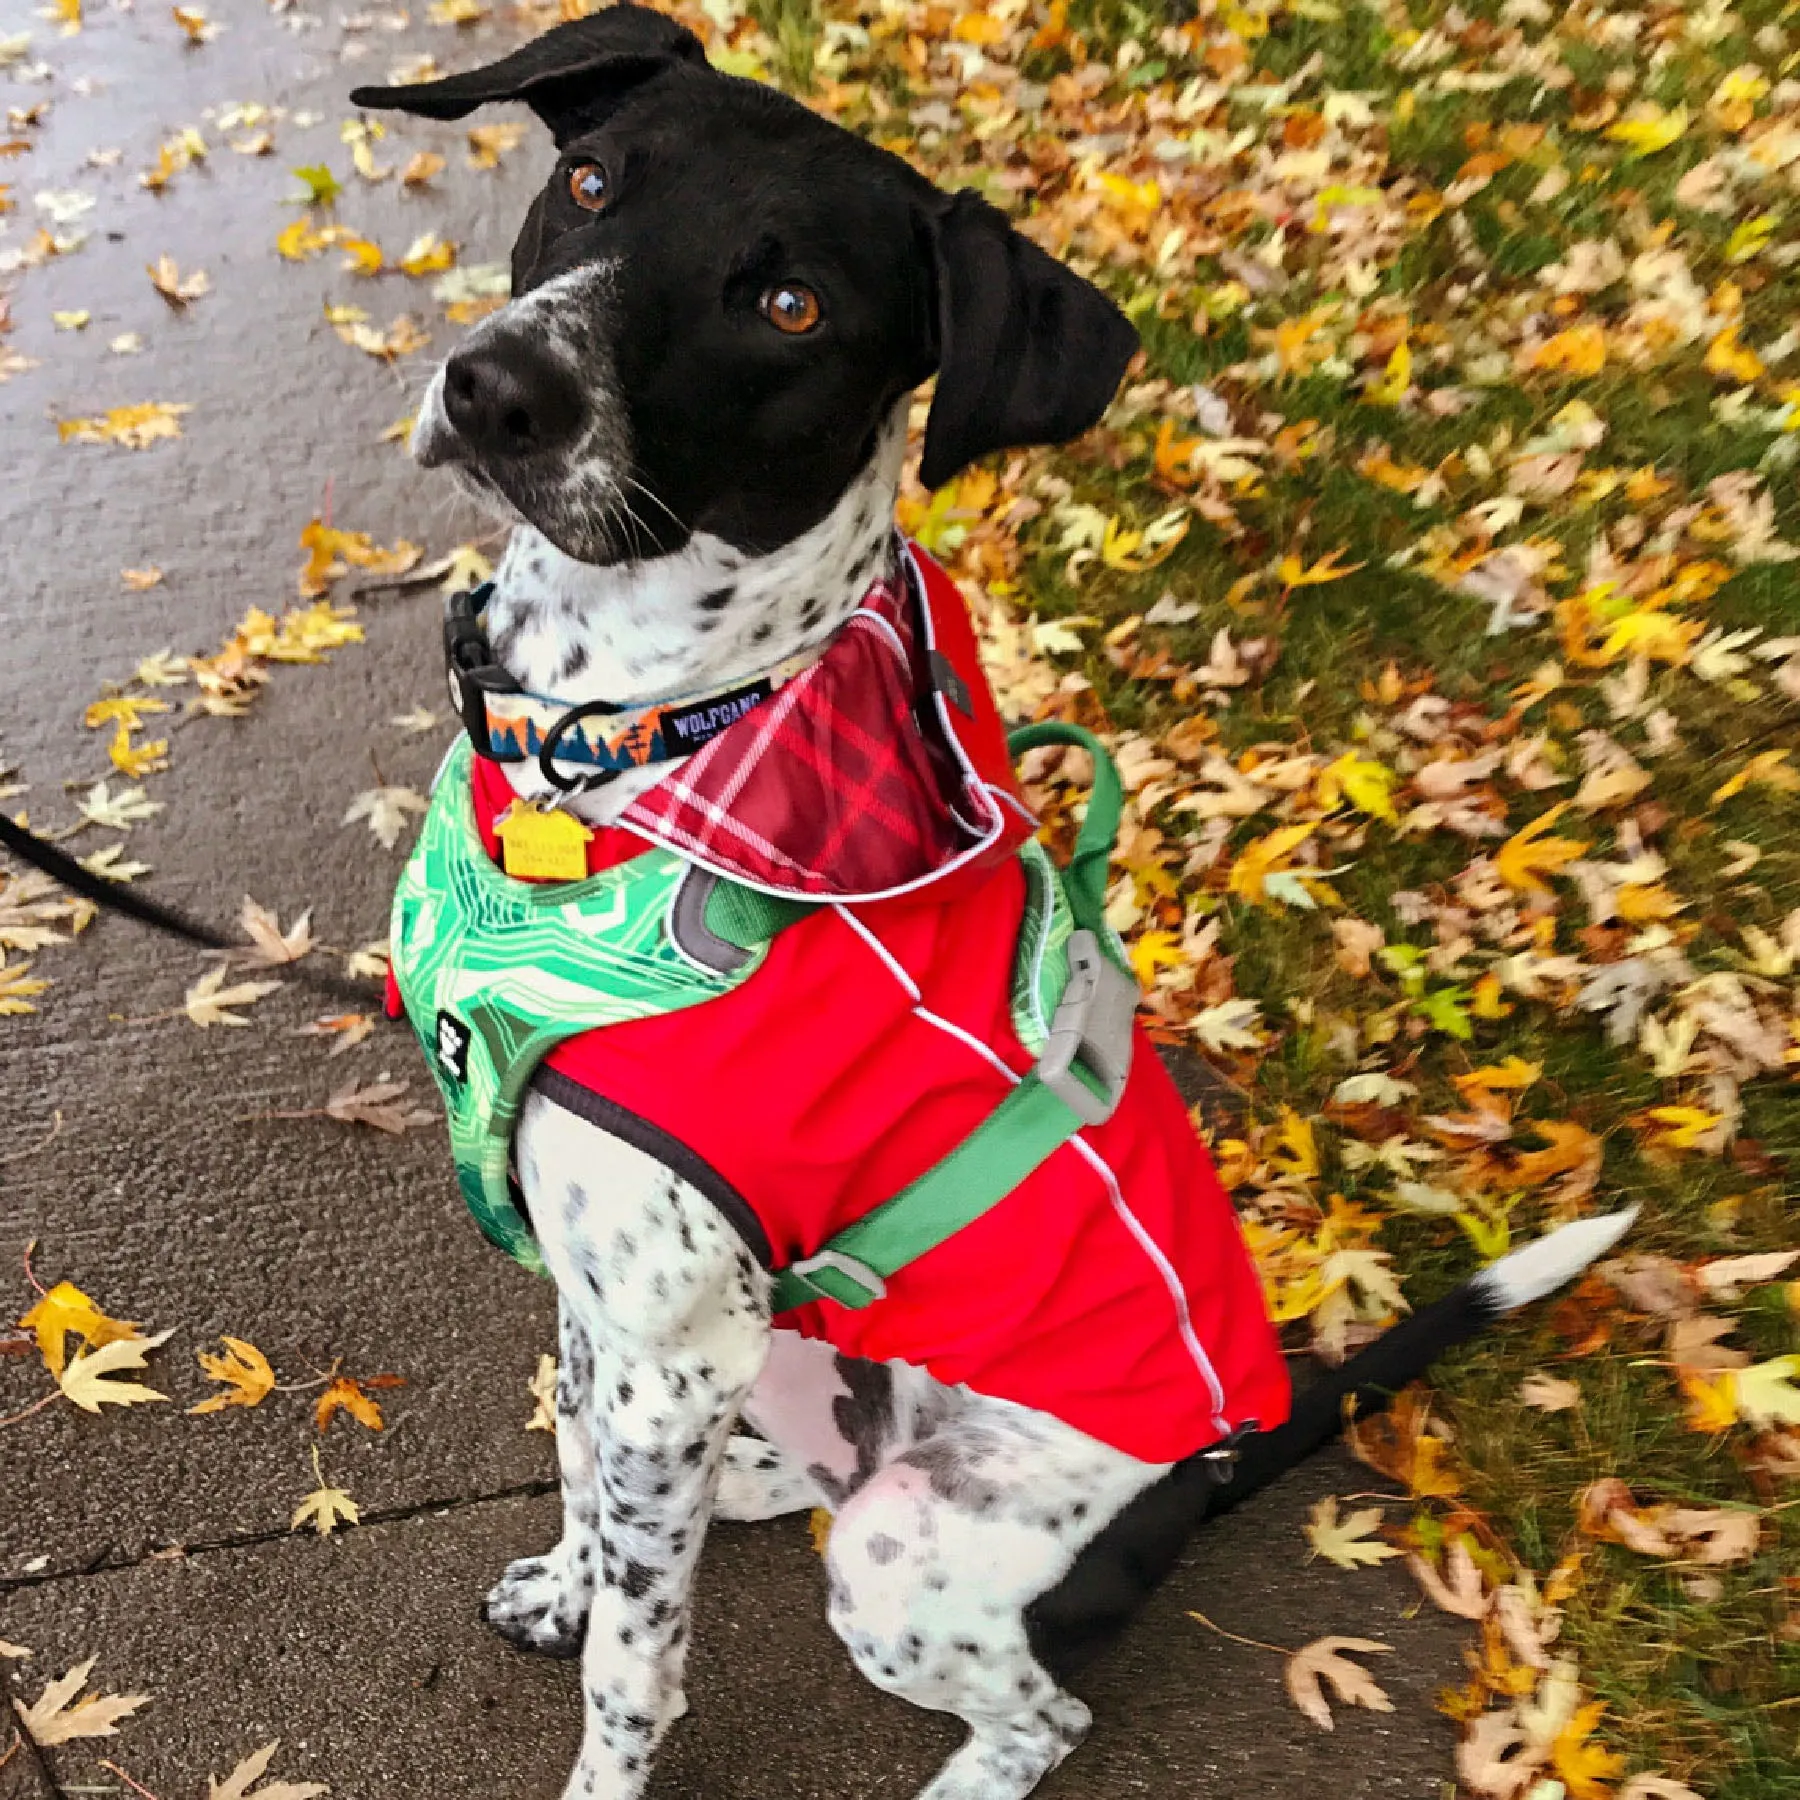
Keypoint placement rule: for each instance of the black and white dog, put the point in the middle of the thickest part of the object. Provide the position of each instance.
(694, 410)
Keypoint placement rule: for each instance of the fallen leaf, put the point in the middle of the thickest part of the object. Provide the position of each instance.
(1715, 1535)
(64, 1311)
(1587, 1768)
(326, 1507)
(245, 1372)
(347, 1395)
(1727, 1275)
(488, 143)
(133, 427)
(378, 1105)
(1765, 1392)
(52, 1719)
(1324, 1660)
(239, 1783)
(1347, 1542)
(84, 1380)
(1461, 1589)
(270, 944)
(542, 1388)
(385, 809)
(178, 289)
(1529, 854)
(1549, 1393)
(207, 1001)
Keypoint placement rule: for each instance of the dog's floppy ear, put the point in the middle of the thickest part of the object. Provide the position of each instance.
(571, 77)
(1028, 352)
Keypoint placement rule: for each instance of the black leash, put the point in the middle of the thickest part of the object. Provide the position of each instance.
(110, 896)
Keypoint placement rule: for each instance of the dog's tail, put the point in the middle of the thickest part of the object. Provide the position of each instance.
(1128, 1560)
(1369, 1380)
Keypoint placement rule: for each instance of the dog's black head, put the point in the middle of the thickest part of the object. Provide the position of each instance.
(719, 298)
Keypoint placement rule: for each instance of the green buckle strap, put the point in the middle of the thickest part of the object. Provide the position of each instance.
(1019, 1134)
(1079, 1080)
(1084, 881)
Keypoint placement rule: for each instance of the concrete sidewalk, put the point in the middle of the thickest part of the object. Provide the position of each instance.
(166, 1198)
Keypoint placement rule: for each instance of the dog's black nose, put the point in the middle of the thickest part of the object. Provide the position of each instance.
(508, 398)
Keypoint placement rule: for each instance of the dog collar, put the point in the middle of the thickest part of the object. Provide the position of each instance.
(508, 723)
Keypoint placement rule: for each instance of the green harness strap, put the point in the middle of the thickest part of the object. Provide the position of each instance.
(1078, 1081)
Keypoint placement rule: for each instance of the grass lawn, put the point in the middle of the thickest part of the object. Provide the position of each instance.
(1432, 581)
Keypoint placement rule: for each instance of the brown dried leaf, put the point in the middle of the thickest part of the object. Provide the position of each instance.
(1324, 1661)
(1460, 1589)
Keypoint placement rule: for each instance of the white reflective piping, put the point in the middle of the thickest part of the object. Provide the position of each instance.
(1152, 1249)
(1184, 1321)
(907, 984)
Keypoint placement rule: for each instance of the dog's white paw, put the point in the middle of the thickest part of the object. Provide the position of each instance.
(541, 1604)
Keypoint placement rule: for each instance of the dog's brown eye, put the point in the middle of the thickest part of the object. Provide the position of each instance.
(791, 308)
(588, 187)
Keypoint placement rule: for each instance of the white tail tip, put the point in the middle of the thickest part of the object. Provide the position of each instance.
(1558, 1256)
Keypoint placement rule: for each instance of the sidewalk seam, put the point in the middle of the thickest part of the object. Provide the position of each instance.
(106, 1563)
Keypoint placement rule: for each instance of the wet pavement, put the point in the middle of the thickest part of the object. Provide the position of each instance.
(167, 1195)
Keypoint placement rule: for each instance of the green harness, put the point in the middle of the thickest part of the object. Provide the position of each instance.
(496, 972)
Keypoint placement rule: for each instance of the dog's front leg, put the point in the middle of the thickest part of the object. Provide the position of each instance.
(676, 1311)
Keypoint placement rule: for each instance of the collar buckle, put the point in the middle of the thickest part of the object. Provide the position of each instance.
(469, 664)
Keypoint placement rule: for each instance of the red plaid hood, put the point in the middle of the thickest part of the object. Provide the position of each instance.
(878, 770)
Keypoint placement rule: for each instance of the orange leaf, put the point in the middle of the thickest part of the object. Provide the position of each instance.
(348, 1396)
(1579, 351)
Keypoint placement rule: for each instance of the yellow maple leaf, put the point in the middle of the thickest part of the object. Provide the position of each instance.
(1390, 390)
(488, 143)
(362, 256)
(428, 254)
(1736, 362)
(137, 761)
(1258, 860)
(1366, 784)
(301, 239)
(122, 709)
(1296, 574)
(1587, 1768)
(1657, 635)
(1770, 767)
(1171, 457)
(1712, 1401)
(66, 1310)
(1647, 131)
(1676, 1127)
(1154, 950)
(18, 987)
(1529, 854)
(1295, 1151)
(326, 1507)
(244, 1370)
(1579, 351)
(132, 427)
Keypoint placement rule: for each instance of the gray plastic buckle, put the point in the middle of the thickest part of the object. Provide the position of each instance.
(1092, 1026)
(853, 1271)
